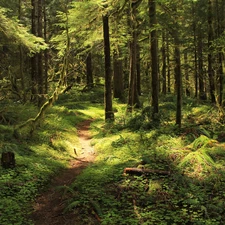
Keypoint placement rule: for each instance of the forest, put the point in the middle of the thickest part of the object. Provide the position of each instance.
(112, 112)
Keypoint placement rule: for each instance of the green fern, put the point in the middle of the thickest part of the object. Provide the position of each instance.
(200, 142)
(71, 206)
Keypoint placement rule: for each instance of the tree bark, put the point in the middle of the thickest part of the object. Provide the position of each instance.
(163, 63)
(220, 6)
(138, 71)
(8, 160)
(89, 70)
(210, 56)
(34, 58)
(168, 63)
(154, 58)
(187, 81)
(109, 115)
(178, 78)
(46, 52)
(139, 171)
(133, 99)
(118, 87)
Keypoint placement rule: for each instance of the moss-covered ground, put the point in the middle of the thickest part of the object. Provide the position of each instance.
(192, 192)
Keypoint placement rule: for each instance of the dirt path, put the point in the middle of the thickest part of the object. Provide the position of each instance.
(49, 206)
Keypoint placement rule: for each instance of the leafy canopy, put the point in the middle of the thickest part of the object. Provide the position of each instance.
(18, 34)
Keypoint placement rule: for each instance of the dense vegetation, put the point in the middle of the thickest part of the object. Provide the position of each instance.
(192, 193)
(161, 110)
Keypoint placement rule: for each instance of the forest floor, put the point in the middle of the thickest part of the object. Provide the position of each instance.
(49, 206)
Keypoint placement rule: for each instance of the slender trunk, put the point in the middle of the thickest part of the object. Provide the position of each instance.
(109, 115)
(202, 93)
(154, 57)
(163, 63)
(118, 87)
(178, 78)
(46, 51)
(40, 57)
(195, 63)
(187, 82)
(22, 62)
(133, 99)
(210, 56)
(168, 63)
(89, 70)
(34, 59)
(220, 56)
(138, 71)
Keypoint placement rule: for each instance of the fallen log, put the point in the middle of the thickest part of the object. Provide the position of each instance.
(141, 171)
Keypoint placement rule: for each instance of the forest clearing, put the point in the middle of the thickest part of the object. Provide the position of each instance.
(112, 112)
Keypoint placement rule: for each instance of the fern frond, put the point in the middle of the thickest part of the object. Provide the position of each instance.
(71, 206)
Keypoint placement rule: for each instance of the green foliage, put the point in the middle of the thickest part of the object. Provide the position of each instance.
(192, 193)
(180, 198)
(15, 32)
(38, 158)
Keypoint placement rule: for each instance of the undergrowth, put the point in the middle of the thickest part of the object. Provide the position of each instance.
(189, 191)
(39, 156)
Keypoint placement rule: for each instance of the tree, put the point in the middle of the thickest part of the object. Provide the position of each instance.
(89, 70)
(164, 65)
(210, 56)
(109, 115)
(154, 58)
(133, 99)
(118, 82)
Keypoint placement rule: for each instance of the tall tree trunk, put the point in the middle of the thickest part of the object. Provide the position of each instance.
(118, 87)
(187, 81)
(202, 92)
(163, 63)
(37, 59)
(178, 83)
(133, 99)
(168, 63)
(89, 73)
(109, 115)
(40, 78)
(34, 58)
(138, 71)
(46, 52)
(220, 6)
(40, 56)
(22, 60)
(195, 60)
(154, 58)
(210, 56)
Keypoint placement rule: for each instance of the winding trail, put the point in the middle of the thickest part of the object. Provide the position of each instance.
(48, 208)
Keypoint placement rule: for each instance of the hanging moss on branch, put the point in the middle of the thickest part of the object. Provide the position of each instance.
(28, 127)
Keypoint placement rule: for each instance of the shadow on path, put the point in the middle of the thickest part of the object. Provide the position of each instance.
(48, 208)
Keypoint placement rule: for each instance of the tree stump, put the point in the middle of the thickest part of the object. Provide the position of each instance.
(8, 160)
